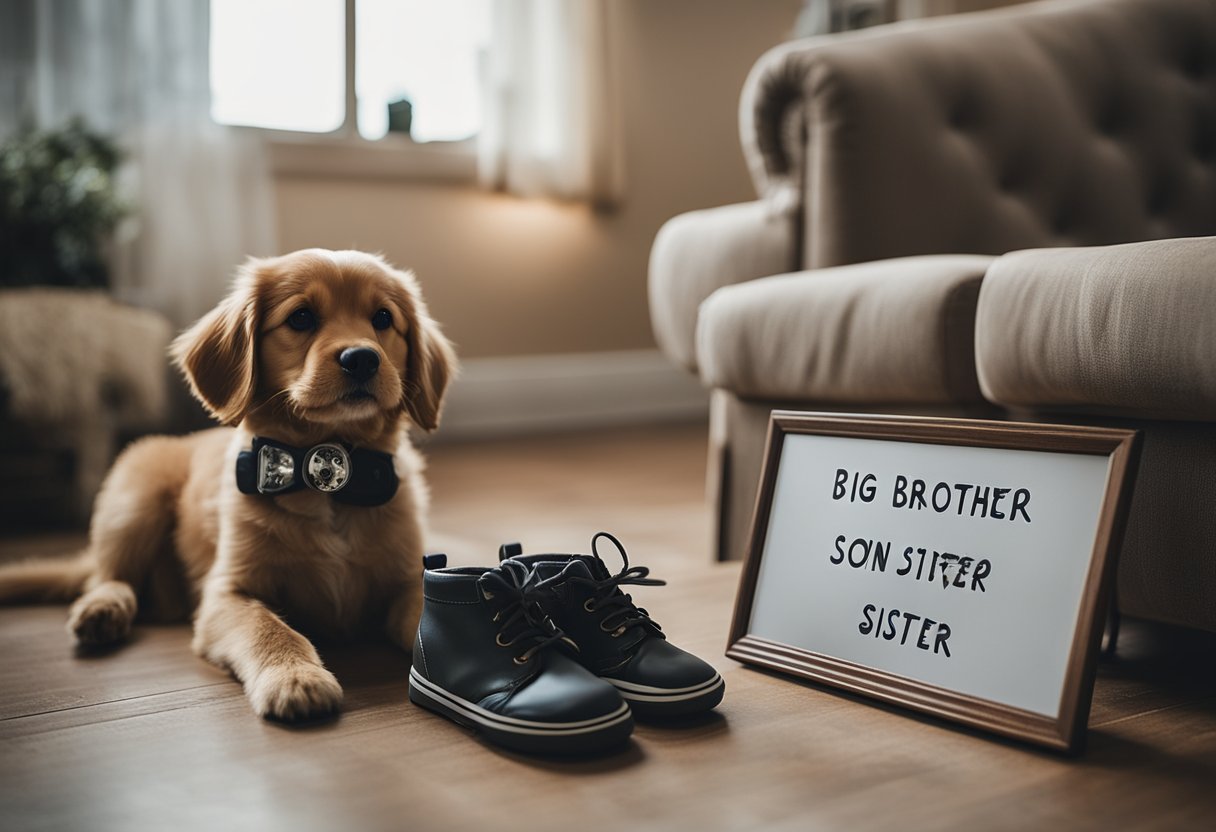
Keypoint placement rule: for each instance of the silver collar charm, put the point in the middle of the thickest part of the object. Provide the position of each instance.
(326, 468)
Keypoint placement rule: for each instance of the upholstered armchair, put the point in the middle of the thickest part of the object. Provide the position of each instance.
(892, 166)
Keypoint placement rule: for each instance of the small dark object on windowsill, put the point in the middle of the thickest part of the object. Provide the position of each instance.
(821, 17)
(400, 116)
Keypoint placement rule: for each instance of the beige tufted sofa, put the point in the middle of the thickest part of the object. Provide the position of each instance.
(894, 167)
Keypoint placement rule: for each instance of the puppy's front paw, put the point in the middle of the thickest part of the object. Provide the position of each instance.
(294, 691)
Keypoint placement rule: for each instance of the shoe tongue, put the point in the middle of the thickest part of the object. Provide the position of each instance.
(512, 571)
(574, 566)
(595, 567)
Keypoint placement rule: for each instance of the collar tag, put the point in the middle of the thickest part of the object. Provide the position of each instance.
(327, 468)
(276, 470)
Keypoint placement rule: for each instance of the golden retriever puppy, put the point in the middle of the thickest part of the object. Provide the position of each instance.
(323, 359)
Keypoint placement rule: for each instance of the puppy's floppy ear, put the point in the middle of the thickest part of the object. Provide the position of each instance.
(429, 367)
(217, 354)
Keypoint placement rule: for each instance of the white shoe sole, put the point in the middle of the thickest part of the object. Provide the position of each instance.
(651, 701)
(579, 737)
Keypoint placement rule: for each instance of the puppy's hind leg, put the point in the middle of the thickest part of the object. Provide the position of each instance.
(44, 581)
(132, 521)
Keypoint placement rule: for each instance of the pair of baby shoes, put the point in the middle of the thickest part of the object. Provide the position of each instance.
(546, 654)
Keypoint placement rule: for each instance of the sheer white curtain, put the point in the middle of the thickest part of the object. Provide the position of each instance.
(551, 121)
(138, 70)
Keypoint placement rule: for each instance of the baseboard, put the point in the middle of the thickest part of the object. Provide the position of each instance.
(535, 394)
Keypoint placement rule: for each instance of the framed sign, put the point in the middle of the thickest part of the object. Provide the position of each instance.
(956, 567)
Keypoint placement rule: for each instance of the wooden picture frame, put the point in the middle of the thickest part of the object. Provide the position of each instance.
(1065, 729)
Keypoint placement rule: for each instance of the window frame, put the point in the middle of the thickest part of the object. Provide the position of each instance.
(345, 153)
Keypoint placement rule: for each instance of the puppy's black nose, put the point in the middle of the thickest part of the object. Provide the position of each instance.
(360, 363)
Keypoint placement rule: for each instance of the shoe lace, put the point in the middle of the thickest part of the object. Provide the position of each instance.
(606, 595)
(520, 617)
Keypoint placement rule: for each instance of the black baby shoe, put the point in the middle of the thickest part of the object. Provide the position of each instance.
(488, 657)
(617, 640)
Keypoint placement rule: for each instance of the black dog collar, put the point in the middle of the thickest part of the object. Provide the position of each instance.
(355, 476)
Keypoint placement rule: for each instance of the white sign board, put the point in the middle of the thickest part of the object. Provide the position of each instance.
(938, 557)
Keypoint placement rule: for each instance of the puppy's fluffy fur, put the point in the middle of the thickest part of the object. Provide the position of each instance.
(170, 530)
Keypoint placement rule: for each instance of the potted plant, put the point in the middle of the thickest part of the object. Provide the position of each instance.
(58, 205)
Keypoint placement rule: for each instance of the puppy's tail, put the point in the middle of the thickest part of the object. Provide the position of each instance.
(44, 581)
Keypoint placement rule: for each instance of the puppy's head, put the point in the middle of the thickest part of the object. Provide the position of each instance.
(327, 338)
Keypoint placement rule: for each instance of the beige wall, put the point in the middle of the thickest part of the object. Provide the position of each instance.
(981, 5)
(509, 276)
(928, 8)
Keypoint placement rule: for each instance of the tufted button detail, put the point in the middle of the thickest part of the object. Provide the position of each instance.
(1111, 118)
(1158, 198)
(1012, 175)
(962, 113)
(1194, 61)
(1203, 145)
(1063, 220)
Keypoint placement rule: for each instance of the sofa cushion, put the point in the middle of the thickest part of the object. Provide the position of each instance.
(1124, 330)
(889, 331)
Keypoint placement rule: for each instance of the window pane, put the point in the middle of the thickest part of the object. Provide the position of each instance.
(279, 63)
(426, 52)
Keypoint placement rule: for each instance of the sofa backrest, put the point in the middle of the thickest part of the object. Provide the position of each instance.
(1066, 122)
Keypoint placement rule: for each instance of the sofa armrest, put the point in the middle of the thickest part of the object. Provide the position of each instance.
(1062, 123)
(701, 251)
(1118, 330)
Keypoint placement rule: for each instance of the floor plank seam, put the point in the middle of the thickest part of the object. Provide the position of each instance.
(111, 701)
(1162, 709)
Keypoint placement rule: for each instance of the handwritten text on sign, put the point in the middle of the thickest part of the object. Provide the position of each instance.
(957, 566)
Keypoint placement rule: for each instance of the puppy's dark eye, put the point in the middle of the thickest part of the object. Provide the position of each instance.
(302, 320)
(383, 319)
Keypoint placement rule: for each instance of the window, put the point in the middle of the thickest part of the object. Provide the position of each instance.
(283, 64)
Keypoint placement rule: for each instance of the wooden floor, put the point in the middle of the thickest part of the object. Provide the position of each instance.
(149, 737)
